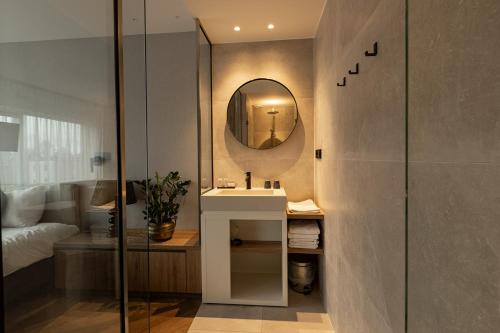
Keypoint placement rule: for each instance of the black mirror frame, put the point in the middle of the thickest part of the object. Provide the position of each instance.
(287, 89)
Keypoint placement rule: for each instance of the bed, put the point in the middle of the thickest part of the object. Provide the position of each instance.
(22, 247)
(28, 251)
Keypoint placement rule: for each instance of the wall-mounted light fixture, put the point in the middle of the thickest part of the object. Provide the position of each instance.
(236, 28)
(9, 136)
(99, 159)
(270, 26)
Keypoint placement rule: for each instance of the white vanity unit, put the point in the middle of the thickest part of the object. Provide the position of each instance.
(254, 272)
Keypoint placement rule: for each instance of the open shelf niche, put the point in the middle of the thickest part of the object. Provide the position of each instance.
(257, 264)
(318, 217)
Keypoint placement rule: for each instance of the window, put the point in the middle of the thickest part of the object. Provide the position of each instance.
(50, 151)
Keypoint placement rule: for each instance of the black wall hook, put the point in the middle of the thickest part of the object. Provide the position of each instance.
(356, 71)
(375, 51)
(343, 83)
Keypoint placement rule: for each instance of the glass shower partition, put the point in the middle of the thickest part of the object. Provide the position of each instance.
(205, 109)
(136, 164)
(60, 166)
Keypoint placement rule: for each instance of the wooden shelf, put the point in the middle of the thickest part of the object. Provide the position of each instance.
(258, 246)
(137, 240)
(305, 216)
(319, 250)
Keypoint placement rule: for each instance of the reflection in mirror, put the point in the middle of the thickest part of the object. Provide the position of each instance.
(262, 114)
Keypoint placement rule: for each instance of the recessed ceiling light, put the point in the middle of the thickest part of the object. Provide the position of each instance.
(236, 28)
(270, 26)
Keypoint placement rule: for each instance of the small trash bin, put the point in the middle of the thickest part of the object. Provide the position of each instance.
(301, 273)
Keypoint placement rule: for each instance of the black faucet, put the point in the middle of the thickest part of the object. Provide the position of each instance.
(248, 180)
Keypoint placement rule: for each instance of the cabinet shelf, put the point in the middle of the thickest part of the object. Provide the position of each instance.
(319, 217)
(319, 250)
(304, 215)
(258, 246)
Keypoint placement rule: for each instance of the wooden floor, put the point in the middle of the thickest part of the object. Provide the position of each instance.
(168, 315)
(62, 314)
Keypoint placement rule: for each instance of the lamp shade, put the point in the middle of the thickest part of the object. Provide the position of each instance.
(131, 198)
(104, 192)
(9, 136)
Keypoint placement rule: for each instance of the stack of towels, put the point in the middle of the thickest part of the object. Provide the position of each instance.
(307, 206)
(303, 234)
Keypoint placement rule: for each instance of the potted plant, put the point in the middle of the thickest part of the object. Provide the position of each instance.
(162, 204)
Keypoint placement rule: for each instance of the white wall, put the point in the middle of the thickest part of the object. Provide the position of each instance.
(65, 80)
(172, 111)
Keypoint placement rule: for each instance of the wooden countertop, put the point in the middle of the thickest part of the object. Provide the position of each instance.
(137, 240)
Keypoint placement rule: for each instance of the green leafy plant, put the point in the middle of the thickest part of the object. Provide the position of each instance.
(163, 196)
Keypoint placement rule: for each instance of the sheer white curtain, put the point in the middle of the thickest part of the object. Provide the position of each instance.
(50, 151)
(58, 136)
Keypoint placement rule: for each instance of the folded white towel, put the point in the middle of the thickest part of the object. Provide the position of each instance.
(304, 227)
(304, 246)
(293, 241)
(303, 206)
(303, 236)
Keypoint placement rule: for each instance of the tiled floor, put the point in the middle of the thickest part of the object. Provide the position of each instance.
(304, 314)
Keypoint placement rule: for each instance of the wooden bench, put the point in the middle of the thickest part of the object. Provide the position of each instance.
(87, 262)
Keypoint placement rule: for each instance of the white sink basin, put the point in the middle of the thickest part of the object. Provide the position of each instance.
(244, 200)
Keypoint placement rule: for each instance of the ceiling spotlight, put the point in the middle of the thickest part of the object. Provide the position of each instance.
(270, 26)
(236, 28)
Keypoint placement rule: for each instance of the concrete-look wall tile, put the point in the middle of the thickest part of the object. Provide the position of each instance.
(454, 81)
(296, 176)
(454, 170)
(454, 247)
(289, 62)
(370, 214)
(360, 179)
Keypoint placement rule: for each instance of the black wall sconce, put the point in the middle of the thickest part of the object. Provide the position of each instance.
(99, 159)
(318, 154)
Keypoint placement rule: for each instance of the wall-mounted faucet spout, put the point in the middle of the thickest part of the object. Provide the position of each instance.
(248, 180)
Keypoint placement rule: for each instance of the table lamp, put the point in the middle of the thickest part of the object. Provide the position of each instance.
(105, 192)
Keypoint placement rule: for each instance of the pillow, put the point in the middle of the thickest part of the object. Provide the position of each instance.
(3, 204)
(25, 207)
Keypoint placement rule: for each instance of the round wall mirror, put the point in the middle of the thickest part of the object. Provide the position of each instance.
(262, 114)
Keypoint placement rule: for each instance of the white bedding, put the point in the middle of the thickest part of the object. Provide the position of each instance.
(25, 246)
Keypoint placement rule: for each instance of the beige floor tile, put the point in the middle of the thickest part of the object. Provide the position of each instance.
(205, 331)
(305, 322)
(304, 314)
(234, 318)
(227, 324)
